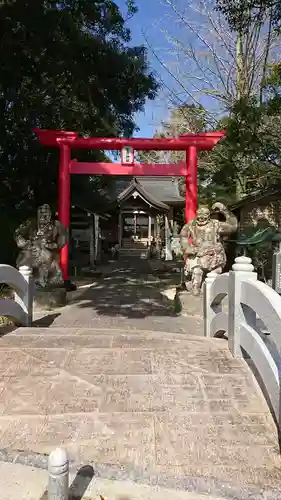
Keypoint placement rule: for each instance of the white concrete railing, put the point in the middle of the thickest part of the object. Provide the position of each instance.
(247, 299)
(19, 309)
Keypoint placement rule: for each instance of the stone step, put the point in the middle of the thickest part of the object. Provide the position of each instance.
(133, 252)
(101, 338)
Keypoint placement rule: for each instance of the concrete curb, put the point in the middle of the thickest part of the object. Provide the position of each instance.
(197, 485)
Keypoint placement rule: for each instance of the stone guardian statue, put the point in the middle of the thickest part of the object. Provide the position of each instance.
(202, 245)
(39, 243)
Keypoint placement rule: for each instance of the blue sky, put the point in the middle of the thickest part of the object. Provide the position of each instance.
(170, 39)
(149, 19)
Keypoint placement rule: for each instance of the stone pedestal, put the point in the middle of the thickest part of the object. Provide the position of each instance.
(181, 302)
(187, 304)
(156, 265)
(50, 298)
(69, 286)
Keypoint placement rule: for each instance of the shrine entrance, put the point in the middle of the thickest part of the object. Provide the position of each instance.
(66, 141)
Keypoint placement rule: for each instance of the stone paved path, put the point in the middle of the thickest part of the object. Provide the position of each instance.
(137, 404)
(127, 296)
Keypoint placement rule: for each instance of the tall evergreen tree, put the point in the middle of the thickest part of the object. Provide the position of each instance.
(63, 65)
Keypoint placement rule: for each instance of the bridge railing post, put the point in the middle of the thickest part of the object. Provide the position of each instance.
(58, 467)
(209, 311)
(237, 313)
(26, 300)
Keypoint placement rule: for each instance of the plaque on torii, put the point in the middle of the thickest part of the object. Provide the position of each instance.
(127, 155)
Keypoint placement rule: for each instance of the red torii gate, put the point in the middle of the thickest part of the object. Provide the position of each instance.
(66, 141)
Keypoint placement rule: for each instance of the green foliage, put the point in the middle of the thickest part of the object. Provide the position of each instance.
(213, 185)
(246, 160)
(239, 14)
(250, 152)
(183, 119)
(249, 156)
(64, 65)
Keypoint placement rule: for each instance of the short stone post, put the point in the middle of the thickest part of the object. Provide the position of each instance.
(209, 311)
(243, 269)
(26, 300)
(58, 467)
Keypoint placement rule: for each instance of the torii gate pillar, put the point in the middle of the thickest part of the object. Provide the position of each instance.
(64, 202)
(191, 181)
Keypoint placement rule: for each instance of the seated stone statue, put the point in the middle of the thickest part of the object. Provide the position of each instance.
(202, 245)
(39, 243)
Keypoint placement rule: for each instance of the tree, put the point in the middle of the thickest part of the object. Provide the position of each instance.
(190, 119)
(65, 65)
(247, 159)
(249, 156)
(229, 63)
(253, 129)
(183, 119)
(240, 14)
(208, 58)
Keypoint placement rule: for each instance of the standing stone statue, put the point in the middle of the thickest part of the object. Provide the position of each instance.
(202, 245)
(39, 243)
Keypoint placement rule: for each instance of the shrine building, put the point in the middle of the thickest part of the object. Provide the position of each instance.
(146, 211)
(139, 212)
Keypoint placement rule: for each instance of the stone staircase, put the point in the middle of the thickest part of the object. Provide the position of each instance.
(132, 248)
(134, 252)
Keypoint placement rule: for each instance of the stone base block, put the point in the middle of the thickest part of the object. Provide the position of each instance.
(50, 298)
(181, 298)
(89, 271)
(187, 304)
(69, 286)
(144, 254)
(157, 265)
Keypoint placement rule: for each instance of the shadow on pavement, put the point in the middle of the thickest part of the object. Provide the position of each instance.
(45, 321)
(128, 292)
(81, 482)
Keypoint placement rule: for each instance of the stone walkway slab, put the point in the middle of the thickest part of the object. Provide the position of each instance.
(146, 404)
(127, 297)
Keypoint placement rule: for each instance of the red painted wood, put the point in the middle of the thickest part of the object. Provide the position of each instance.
(64, 202)
(191, 182)
(204, 140)
(176, 169)
(67, 140)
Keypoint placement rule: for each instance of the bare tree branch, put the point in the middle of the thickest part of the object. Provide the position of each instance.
(202, 58)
